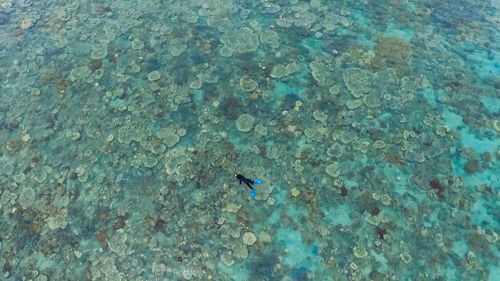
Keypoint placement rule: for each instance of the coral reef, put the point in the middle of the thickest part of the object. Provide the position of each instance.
(373, 140)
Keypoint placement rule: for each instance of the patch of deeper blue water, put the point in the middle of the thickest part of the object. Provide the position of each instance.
(491, 104)
(449, 271)
(468, 138)
(314, 45)
(460, 248)
(297, 252)
(483, 213)
(494, 274)
(400, 179)
(484, 63)
(300, 274)
(282, 89)
(340, 214)
(362, 38)
(404, 33)
(198, 97)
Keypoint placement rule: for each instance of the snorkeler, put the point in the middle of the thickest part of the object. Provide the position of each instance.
(248, 182)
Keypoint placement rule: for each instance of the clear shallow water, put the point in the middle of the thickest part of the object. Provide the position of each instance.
(374, 129)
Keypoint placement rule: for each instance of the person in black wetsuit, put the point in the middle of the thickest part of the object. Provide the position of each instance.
(247, 181)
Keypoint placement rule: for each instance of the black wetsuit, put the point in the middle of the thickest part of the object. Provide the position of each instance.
(248, 182)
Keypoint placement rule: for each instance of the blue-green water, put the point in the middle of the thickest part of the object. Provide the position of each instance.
(374, 126)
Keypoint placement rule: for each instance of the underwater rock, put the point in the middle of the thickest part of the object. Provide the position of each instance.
(264, 237)
(247, 84)
(320, 116)
(261, 130)
(318, 70)
(245, 122)
(270, 37)
(333, 170)
(27, 197)
(240, 251)
(227, 259)
(360, 251)
(357, 81)
(154, 75)
(168, 136)
(242, 40)
(99, 51)
(137, 44)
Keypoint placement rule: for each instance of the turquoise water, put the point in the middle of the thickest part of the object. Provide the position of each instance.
(373, 127)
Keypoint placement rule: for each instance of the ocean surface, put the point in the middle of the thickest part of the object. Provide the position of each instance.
(373, 126)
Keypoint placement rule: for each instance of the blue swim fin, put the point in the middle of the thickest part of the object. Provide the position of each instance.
(253, 193)
(257, 181)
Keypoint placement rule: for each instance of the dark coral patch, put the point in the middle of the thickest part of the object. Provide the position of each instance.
(436, 184)
(472, 166)
(262, 267)
(343, 191)
(231, 107)
(380, 232)
(289, 101)
(120, 222)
